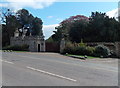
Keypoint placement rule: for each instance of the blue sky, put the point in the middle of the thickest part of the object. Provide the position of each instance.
(52, 13)
(61, 10)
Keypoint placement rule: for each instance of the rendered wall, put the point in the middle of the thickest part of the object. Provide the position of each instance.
(31, 41)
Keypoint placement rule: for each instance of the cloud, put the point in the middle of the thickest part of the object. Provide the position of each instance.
(3, 5)
(48, 30)
(88, 0)
(50, 17)
(113, 13)
(59, 19)
(36, 4)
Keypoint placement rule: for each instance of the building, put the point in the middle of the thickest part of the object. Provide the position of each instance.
(36, 43)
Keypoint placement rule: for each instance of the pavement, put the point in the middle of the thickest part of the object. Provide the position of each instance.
(52, 69)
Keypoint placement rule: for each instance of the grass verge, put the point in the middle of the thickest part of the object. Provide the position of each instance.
(88, 57)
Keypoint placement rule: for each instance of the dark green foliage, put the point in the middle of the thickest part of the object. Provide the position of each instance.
(101, 50)
(14, 21)
(82, 49)
(57, 36)
(78, 49)
(118, 31)
(90, 51)
(9, 25)
(37, 27)
(17, 48)
(23, 17)
(34, 23)
(77, 31)
(69, 50)
(99, 28)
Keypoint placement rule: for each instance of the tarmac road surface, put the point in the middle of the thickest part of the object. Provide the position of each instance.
(52, 69)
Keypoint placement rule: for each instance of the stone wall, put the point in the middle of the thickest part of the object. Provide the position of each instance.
(117, 44)
(111, 46)
(115, 47)
(31, 41)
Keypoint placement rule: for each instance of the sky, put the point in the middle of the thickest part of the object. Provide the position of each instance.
(52, 13)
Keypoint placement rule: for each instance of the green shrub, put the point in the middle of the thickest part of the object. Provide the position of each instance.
(90, 51)
(82, 49)
(17, 47)
(101, 51)
(68, 49)
(78, 49)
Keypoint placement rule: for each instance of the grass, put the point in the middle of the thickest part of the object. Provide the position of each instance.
(89, 57)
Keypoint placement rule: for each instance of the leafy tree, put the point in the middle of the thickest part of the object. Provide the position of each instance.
(20, 20)
(9, 25)
(27, 20)
(118, 30)
(69, 27)
(37, 27)
(77, 31)
(101, 28)
(97, 28)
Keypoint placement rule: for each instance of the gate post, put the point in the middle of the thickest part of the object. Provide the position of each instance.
(117, 45)
(62, 45)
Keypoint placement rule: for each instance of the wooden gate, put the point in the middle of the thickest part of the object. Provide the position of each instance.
(52, 47)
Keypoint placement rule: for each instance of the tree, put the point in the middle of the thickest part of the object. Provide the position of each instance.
(37, 27)
(69, 27)
(22, 19)
(101, 28)
(97, 28)
(118, 30)
(9, 25)
(33, 23)
(77, 31)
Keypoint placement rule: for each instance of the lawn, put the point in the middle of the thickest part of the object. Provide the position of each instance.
(88, 57)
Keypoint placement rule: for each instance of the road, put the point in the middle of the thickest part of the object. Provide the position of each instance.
(51, 69)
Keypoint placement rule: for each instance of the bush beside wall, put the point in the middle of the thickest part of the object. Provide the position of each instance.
(17, 48)
(83, 49)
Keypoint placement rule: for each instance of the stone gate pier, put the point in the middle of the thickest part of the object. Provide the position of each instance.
(117, 45)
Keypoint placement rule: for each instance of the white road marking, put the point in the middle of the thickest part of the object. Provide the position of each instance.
(7, 61)
(52, 74)
(71, 64)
